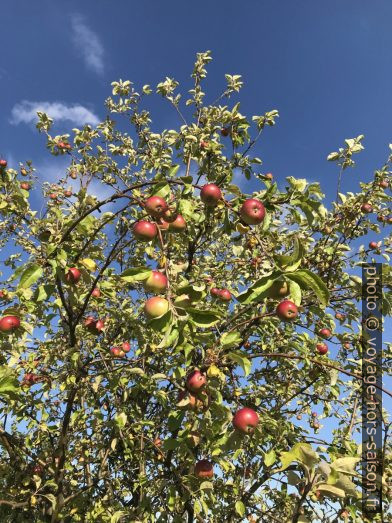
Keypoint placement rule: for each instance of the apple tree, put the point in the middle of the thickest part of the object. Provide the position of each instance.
(187, 348)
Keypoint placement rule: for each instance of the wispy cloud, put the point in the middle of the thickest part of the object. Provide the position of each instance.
(26, 112)
(88, 44)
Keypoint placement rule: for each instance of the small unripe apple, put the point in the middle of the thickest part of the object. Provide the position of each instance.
(245, 420)
(156, 307)
(325, 333)
(37, 470)
(314, 414)
(156, 206)
(178, 225)
(384, 184)
(25, 186)
(9, 323)
(3, 294)
(225, 131)
(145, 231)
(279, 289)
(339, 316)
(125, 346)
(252, 211)
(210, 194)
(373, 245)
(322, 348)
(214, 291)
(381, 218)
(3, 163)
(96, 292)
(158, 442)
(53, 196)
(366, 208)
(156, 282)
(195, 381)
(68, 193)
(269, 176)
(287, 310)
(224, 295)
(204, 469)
(73, 275)
(247, 345)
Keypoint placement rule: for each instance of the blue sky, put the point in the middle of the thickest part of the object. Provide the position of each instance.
(325, 65)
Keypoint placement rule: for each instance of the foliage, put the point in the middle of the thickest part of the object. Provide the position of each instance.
(88, 436)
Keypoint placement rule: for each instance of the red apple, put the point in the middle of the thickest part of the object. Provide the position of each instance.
(3, 163)
(156, 307)
(204, 469)
(224, 295)
(225, 131)
(156, 282)
(204, 144)
(214, 291)
(384, 184)
(68, 193)
(145, 231)
(93, 325)
(195, 381)
(96, 292)
(156, 206)
(169, 216)
(390, 219)
(210, 194)
(9, 323)
(37, 470)
(25, 186)
(178, 225)
(325, 333)
(73, 275)
(339, 316)
(366, 208)
(279, 289)
(158, 442)
(99, 325)
(322, 348)
(252, 211)
(287, 310)
(53, 196)
(245, 420)
(162, 225)
(381, 218)
(126, 347)
(373, 245)
(117, 352)
(269, 176)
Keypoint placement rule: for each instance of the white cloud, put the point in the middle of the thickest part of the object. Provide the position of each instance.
(88, 44)
(26, 112)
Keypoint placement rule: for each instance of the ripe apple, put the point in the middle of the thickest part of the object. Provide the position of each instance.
(169, 216)
(25, 186)
(373, 245)
(381, 218)
(145, 231)
(3, 163)
(53, 196)
(73, 275)
(156, 206)
(156, 282)
(366, 208)
(225, 131)
(204, 144)
(99, 325)
(245, 420)
(247, 345)
(210, 194)
(204, 469)
(287, 310)
(117, 352)
(37, 470)
(93, 325)
(214, 291)
(279, 289)
(384, 184)
(9, 323)
(314, 414)
(126, 347)
(322, 348)
(325, 333)
(269, 176)
(162, 225)
(96, 292)
(156, 307)
(158, 442)
(195, 381)
(224, 295)
(73, 175)
(3, 294)
(178, 225)
(339, 316)
(252, 211)
(68, 193)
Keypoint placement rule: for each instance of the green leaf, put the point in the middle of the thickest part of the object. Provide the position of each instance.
(345, 465)
(295, 292)
(270, 458)
(229, 339)
(290, 262)
(121, 420)
(240, 508)
(308, 280)
(8, 381)
(161, 189)
(331, 491)
(259, 289)
(302, 453)
(241, 360)
(30, 276)
(203, 318)
(136, 274)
